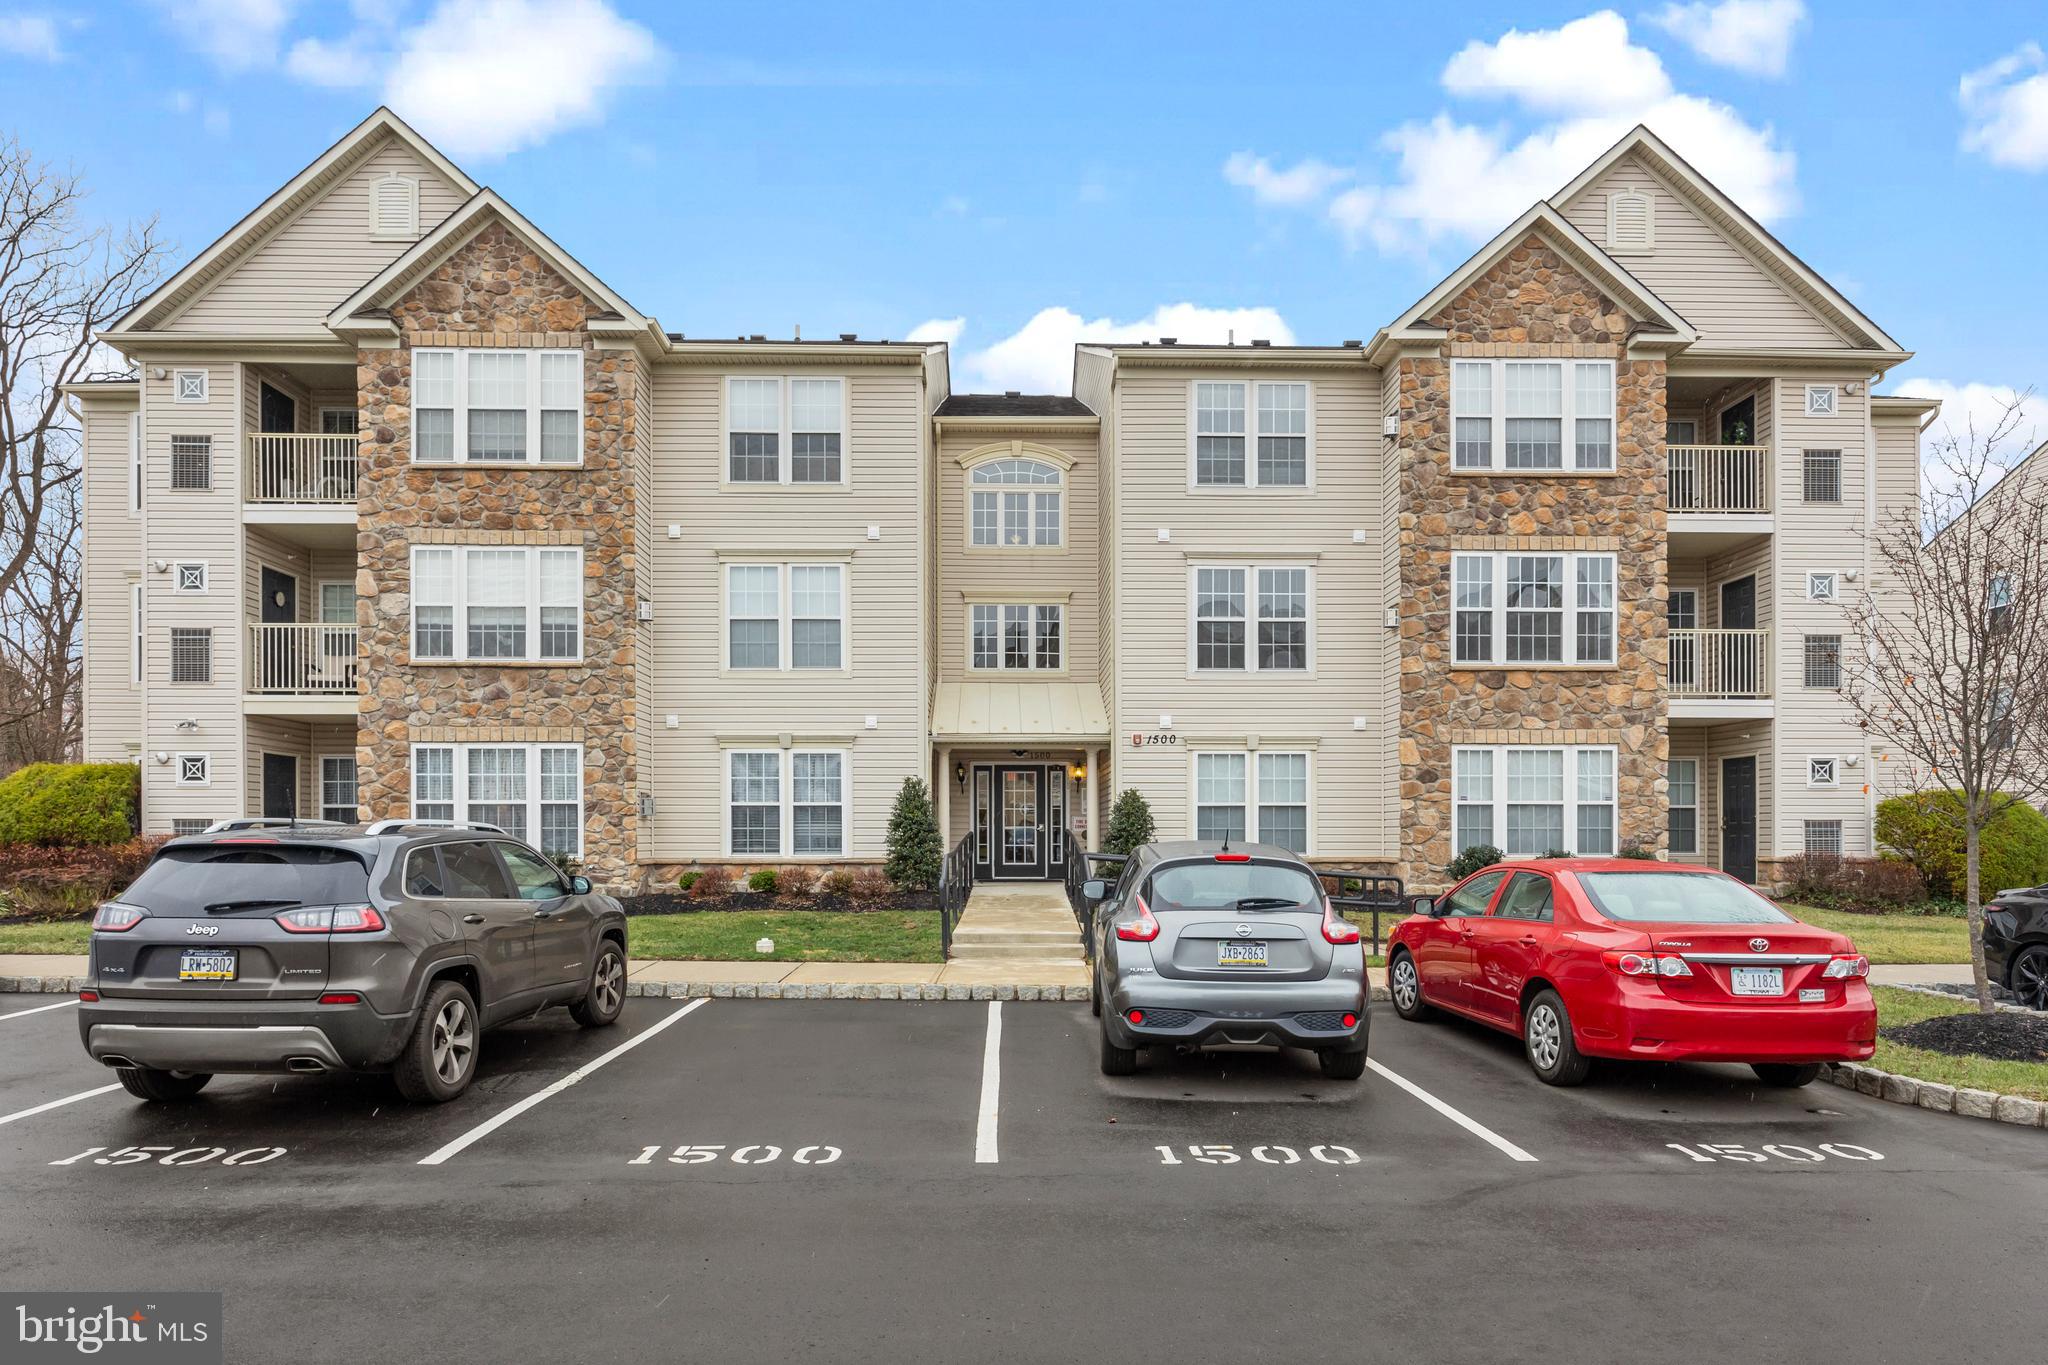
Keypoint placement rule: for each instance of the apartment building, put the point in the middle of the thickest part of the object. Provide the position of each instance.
(405, 512)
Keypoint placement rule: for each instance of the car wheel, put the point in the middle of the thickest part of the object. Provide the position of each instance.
(439, 1059)
(2029, 978)
(1786, 1075)
(1547, 1037)
(1342, 1066)
(1406, 987)
(1117, 1061)
(162, 1087)
(601, 1004)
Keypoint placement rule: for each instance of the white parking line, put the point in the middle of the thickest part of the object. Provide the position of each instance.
(57, 1104)
(505, 1116)
(991, 1086)
(1469, 1124)
(61, 1004)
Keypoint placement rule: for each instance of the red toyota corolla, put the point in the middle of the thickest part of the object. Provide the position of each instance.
(1597, 957)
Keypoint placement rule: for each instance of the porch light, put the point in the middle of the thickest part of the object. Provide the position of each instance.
(1078, 771)
(960, 775)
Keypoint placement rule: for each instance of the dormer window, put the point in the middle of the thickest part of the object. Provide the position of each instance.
(1631, 221)
(395, 209)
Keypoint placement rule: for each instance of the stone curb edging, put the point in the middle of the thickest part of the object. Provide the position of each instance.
(1865, 1079)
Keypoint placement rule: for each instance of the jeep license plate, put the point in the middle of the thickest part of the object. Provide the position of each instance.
(207, 964)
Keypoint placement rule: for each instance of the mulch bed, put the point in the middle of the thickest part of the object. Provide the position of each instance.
(2002, 1037)
(671, 903)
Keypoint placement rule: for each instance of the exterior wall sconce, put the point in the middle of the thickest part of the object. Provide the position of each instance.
(960, 775)
(1078, 771)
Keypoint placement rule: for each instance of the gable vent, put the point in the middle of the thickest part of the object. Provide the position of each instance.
(1631, 223)
(395, 208)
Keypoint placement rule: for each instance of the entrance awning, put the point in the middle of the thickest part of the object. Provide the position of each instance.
(1064, 712)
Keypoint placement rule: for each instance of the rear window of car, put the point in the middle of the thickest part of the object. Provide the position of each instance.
(1237, 887)
(1677, 898)
(194, 879)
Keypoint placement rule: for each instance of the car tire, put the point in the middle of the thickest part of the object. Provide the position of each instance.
(1404, 981)
(439, 1058)
(1118, 1061)
(1786, 1075)
(1341, 1066)
(162, 1087)
(2027, 978)
(605, 997)
(1547, 1038)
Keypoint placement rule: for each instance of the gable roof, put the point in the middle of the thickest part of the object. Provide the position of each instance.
(294, 195)
(1803, 280)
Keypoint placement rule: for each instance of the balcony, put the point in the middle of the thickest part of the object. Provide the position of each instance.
(1718, 495)
(1719, 674)
(304, 480)
(301, 669)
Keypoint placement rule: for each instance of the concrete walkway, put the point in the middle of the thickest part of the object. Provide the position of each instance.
(1012, 925)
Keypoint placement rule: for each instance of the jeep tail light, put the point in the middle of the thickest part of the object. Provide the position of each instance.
(88, 997)
(114, 918)
(341, 998)
(1337, 930)
(331, 919)
(1845, 966)
(1646, 964)
(1143, 929)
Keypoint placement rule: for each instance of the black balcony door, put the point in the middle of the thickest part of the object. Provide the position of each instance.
(280, 786)
(280, 607)
(1738, 817)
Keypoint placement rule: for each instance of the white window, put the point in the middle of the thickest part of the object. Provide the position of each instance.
(1527, 800)
(338, 421)
(476, 603)
(785, 431)
(1820, 587)
(189, 386)
(337, 603)
(1250, 618)
(1820, 400)
(191, 654)
(1824, 837)
(338, 788)
(135, 633)
(1259, 798)
(1015, 504)
(1685, 805)
(1823, 772)
(190, 825)
(134, 464)
(1016, 635)
(532, 791)
(192, 462)
(1533, 608)
(1250, 435)
(497, 406)
(188, 578)
(395, 208)
(1532, 414)
(784, 616)
(786, 802)
(194, 770)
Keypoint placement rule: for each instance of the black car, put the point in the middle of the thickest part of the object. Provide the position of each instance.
(2016, 944)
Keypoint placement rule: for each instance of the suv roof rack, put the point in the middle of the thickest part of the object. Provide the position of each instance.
(388, 826)
(235, 822)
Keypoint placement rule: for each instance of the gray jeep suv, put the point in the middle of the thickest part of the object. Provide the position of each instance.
(387, 947)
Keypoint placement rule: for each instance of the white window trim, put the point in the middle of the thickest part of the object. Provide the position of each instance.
(178, 378)
(1251, 482)
(206, 767)
(460, 654)
(785, 792)
(320, 782)
(136, 637)
(171, 657)
(459, 454)
(1694, 764)
(1499, 611)
(969, 489)
(1250, 570)
(1571, 802)
(135, 470)
(1251, 787)
(460, 776)
(784, 398)
(1568, 417)
(321, 417)
(1833, 591)
(1033, 667)
(320, 587)
(1831, 406)
(178, 587)
(785, 616)
(1806, 827)
(1834, 770)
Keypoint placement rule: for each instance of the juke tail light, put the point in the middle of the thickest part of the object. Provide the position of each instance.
(331, 919)
(1336, 930)
(1846, 965)
(1647, 964)
(1143, 929)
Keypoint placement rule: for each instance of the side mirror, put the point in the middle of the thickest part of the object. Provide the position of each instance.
(579, 886)
(1422, 905)
(1095, 892)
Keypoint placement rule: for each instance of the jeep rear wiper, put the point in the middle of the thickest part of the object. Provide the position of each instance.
(1266, 903)
(219, 906)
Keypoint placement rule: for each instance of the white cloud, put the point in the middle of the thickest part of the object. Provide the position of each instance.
(1306, 182)
(1587, 66)
(336, 65)
(1753, 36)
(30, 35)
(1972, 410)
(2007, 105)
(235, 34)
(1039, 356)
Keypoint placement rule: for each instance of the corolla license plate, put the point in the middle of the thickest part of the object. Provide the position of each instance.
(207, 964)
(1757, 980)
(1238, 954)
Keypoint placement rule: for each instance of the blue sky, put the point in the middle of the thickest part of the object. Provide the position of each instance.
(1284, 169)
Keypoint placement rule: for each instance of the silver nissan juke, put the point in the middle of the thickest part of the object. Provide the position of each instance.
(1203, 942)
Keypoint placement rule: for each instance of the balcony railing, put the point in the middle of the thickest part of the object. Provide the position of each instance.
(302, 467)
(309, 659)
(1725, 664)
(1719, 479)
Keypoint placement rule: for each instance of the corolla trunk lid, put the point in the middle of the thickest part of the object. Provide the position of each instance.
(1747, 964)
(1234, 920)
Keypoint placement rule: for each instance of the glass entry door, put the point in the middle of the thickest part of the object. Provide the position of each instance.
(1022, 843)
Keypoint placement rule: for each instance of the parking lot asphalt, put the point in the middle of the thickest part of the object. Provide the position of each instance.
(852, 1181)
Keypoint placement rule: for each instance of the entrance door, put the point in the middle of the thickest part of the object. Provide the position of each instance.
(281, 786)
(1021, 841)
(1738, 662)
(278, 657)
(1738, 817)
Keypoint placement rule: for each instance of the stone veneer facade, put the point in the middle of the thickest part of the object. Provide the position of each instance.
(1531, 304)
(497, 291)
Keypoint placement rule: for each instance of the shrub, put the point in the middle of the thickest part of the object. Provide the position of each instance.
(1637, 851)
(916, 849)
(711, 884)
(687, 880)
(1130, 822)
(1926, 829)
(1471, 860)
(837, 882)
(871, 887)
(70, 881)
(797, 883)
(70, 804)
(1555, 853)
(1831, 879)
(763, 879)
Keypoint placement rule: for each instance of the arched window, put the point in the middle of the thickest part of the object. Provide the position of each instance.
(1014, 503)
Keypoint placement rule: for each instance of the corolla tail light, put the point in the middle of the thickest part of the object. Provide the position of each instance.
(1337, 930)
(1143, 929)
(1647, 964)
(115, 918)
(331, 919)
(1846, 965)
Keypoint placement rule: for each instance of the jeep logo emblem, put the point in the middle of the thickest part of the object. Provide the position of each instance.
(208, 930)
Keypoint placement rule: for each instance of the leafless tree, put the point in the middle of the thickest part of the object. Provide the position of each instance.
(1952, 670)
(61, 280)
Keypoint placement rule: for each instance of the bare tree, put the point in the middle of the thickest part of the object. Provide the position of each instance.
(61, 280)
(1952, 669)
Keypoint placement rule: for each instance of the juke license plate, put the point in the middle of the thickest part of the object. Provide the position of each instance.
(1235, 953)
(1757, 980)
(207, 964)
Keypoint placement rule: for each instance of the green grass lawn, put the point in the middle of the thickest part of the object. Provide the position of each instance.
(1976, 1073)
(1895, 939)
(62, 936)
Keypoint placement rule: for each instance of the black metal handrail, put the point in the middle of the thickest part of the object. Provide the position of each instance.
(956, 884)
(1077, 875)
(1371, 893)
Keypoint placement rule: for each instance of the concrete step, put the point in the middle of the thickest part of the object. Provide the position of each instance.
(975, 931)
(1013, 952)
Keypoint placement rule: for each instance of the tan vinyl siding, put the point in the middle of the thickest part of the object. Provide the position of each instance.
(1726, 293)
(646, 548)
(287, 282)
(308, 742)
(1094, 385)
(1389, 683)
(111, 566)
(1689, 741)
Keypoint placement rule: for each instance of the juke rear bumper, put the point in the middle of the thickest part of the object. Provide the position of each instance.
(1305, 1014)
